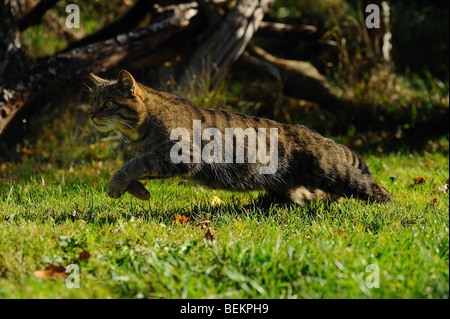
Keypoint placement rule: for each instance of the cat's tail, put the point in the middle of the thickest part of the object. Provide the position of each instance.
(378, 193)
(353, 159)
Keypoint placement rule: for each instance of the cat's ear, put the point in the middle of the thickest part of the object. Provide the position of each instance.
(127, 82)
(98, 81)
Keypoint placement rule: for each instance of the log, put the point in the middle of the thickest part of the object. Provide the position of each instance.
(40, 83)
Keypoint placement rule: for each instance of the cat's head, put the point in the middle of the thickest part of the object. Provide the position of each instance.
(117, 105)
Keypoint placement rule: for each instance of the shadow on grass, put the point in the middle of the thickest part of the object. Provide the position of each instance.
(261, 208)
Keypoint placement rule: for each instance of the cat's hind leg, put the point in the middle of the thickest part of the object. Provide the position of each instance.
(302, 195)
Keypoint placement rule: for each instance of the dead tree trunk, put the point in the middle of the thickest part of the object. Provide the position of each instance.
(225, 44)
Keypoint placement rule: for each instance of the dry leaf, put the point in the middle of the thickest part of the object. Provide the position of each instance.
(84, 255)
(338, 232)
(216, 201)
(52, 272)
(205, 224)
(209, 235)
(421, 180)
(180, 219)
(432, 202)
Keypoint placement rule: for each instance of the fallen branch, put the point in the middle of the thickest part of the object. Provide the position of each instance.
(126, 23)
(300, 79)
(288, 31)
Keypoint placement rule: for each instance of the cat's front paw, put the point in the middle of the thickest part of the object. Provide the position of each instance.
(118, 185)
(139, 191)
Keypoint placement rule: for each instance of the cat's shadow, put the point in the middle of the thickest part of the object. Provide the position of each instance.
(262, 207)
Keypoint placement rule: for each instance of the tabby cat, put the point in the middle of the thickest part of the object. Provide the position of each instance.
(306, 166)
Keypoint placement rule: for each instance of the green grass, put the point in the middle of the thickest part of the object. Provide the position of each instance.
(53, 203)
(260, 251)
(53, 206)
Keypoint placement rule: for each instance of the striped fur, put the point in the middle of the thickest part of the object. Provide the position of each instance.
(309, 165)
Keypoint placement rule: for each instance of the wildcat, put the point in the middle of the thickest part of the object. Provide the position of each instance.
(308, 165)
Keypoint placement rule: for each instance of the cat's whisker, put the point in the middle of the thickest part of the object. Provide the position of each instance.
(89, 89)
(121, 136)
(123, 122)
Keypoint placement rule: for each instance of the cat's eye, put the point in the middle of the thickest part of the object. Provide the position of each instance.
(109, 104)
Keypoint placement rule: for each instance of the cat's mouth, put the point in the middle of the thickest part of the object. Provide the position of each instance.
(124, 130)
(102, 127)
